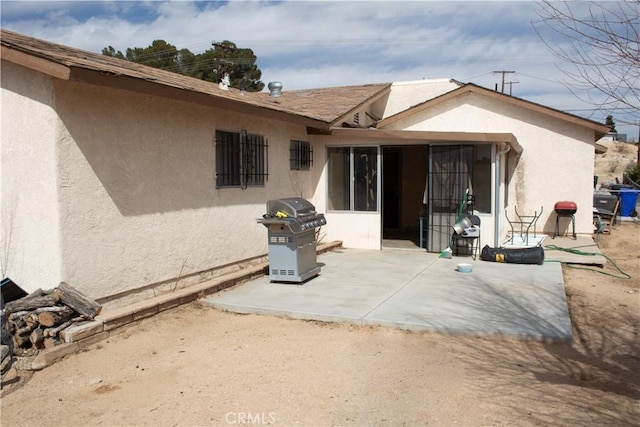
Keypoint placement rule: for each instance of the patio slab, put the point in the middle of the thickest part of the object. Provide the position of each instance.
(416, 290)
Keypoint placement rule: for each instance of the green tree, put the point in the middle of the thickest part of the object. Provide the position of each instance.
(159, 55)
(611, 123)
(111, 51)
(222, 59)
(238, 63)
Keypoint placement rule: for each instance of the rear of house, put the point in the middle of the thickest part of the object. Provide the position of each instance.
(407, 176)
(117, 177)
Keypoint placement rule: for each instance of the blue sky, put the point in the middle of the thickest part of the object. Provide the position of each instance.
(306, 44)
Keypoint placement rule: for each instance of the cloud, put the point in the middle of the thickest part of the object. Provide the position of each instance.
(316, 44)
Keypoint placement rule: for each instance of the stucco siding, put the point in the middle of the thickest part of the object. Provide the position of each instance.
(138, 197)
(355, 229)
(30, 252)
(556, 162)
(404, 95)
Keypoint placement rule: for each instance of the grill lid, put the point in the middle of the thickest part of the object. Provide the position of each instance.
(565, 207)
(294, 213)
(293, 207)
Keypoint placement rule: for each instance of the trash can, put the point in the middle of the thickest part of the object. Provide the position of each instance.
(615, 188)
(628, 200)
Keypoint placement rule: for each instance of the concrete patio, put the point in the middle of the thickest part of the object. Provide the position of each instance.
(415, 290)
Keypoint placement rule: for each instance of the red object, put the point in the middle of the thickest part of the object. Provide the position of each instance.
(565, 208)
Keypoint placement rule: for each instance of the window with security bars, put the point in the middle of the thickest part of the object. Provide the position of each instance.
(241, 159)
(300, 155)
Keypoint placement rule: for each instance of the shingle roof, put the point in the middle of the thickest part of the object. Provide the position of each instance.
(320, 106)
(328, 104)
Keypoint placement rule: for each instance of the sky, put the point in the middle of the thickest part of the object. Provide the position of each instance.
(311, 44)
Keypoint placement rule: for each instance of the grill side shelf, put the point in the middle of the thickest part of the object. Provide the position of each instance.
(268, 221)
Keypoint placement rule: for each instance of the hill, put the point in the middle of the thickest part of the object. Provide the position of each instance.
(611, 165)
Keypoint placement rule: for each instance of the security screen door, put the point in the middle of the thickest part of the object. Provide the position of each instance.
(448, 178)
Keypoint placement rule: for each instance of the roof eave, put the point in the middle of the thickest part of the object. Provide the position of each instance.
(598, 128)
(59, 70)
(601, 149)
(424, 136)
(45, 66)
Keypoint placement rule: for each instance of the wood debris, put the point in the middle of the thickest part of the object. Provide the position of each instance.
(35, 321)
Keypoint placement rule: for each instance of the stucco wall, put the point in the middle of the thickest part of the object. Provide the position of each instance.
(116, 190)
(138, 194)
(556, 162)
(404, 95)
(30, 240)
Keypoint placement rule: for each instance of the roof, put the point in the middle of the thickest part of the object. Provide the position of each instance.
(319, 108)
(599, 128)
(329, 104)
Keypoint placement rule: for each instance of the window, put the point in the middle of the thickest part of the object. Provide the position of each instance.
(241, 159)
(353, 178)
(300, 155)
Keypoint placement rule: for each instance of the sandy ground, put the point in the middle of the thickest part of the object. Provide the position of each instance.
(197, 366)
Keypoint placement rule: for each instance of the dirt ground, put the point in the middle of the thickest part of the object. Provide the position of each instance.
(195, 366)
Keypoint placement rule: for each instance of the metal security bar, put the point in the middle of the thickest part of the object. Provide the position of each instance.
(241, 159)
(300, 155)
(450, 173)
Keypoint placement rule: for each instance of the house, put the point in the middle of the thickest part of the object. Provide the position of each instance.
(614, 136)
(117, 177)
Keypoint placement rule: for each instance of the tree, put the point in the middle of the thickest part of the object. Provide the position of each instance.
(159, 55)
(611, 123)
(224, 58)
(111, 51)
(600, 43)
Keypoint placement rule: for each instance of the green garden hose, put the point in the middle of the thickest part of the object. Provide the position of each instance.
(575, 251)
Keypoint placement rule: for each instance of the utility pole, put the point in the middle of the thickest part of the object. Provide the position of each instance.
(511, 86)
(503, 72)
(223, 48)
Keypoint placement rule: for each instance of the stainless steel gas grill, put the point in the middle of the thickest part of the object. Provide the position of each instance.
(292, 224)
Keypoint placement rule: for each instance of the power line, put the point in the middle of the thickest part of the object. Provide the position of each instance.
(475, 77)
(539, 78)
